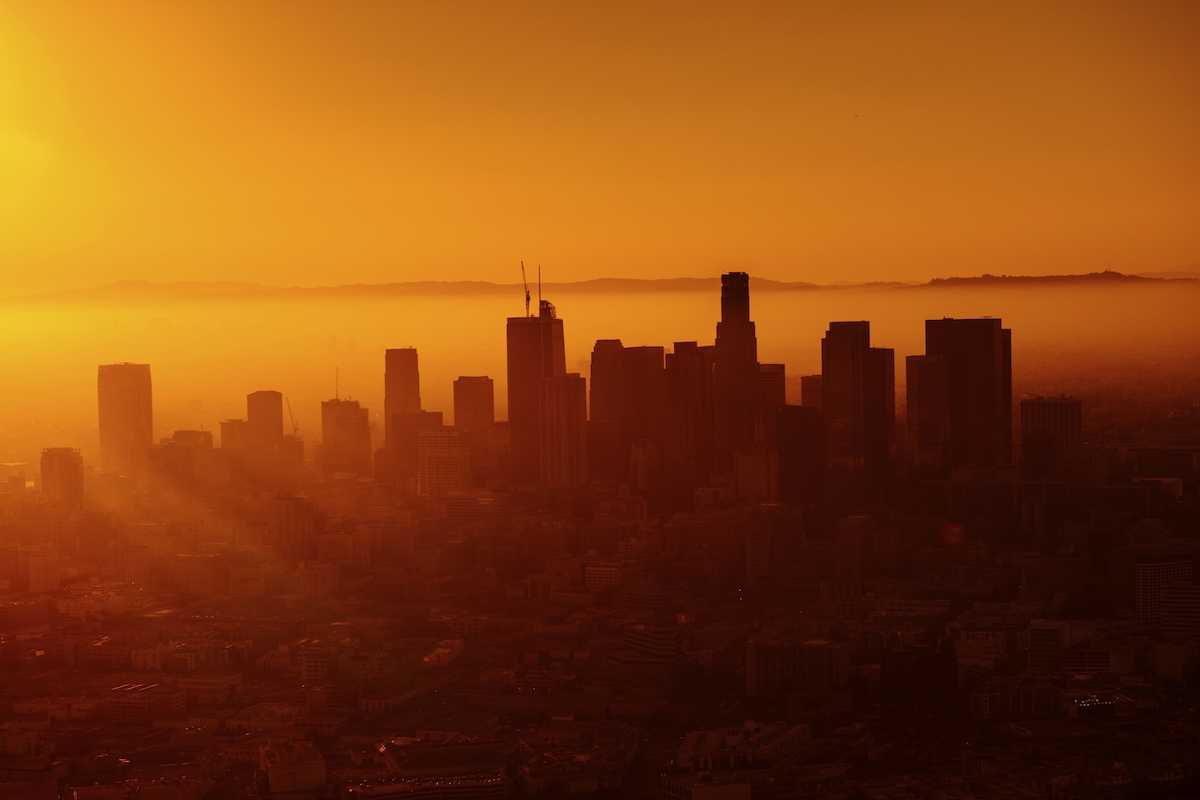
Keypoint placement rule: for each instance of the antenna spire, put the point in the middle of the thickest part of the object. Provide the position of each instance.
(337, 384)
(525, 283)
(539, 288)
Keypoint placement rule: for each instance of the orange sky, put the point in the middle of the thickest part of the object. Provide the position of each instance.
(299, 143)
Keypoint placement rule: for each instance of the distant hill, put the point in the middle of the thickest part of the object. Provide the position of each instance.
(143, 291)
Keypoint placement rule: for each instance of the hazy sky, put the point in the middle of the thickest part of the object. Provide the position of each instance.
(299, 143)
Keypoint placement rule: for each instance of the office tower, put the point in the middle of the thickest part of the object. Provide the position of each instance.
(444, 462)
(62, 477)
(772, 395)
(535, 351)
(126, 418)
(563, 435)
(858, 386)
(1048, 642)
(978, 353)
(776, 665)
(139, 563)
(403, 454)
(40, 564)
(401, 386)
(811, 391)
(346, 437)
(1051, 438)
(735, 375)
(928, 414)
(605, 390)
(688, 447)
(1180, 609)
(800, 438)
(177, 465)
(292, 527)
(1151, 577)
(475, 413)
(264, 420)
(235, 434)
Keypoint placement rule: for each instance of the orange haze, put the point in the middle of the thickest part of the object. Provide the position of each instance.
(311, 143)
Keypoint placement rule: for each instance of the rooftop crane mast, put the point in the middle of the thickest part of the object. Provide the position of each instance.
(525, 283)
(295, 427)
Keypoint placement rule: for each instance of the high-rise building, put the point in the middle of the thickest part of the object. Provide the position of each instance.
(346, 437)
(859, 406)
(401, 386)
(607, 365)
(475, 413)
(812, 394)
(264, 420)
(563, 434)
(854, 552)
(800, 437)
(688, 447)
(772, 395)
(736, 375)
(1180, 609)
(928, 414)
(235, 434)
(178, 464)
(444, 462)
(978, 353)
(535, 351)
(126, 418)
(1051, 438)
(293, 527)
(402, 456)
(1151, 577)
(62, 477)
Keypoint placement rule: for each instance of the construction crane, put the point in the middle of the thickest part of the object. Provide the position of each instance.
(295, 427)
(525, 283)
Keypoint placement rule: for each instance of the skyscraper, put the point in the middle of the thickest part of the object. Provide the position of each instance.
(563, 435)
(811, 393)
(858, 404)
(927, 384)
(535, 351)
(1051, 437)
(444, 462)
(62, 477)
(978, 353)
(346, 437)
(475, 413)
(800, 434)
(401, 386)
(126, 418)
(605, 390)
(264, 417)
(688, 450)
(736, 374)
(772, 391)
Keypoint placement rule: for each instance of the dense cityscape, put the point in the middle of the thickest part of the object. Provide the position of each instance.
(661, 579)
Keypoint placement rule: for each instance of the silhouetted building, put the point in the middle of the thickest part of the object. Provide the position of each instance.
(401, 386)
(736, 376)
(605, 391)
(688, 448)
(563, 435)
(264, 419)
(1051, 438)
(800, 437)
(978, 353)
(292, 527)
(859, 407)
(475, 413)
(346, 437)
(772, 395)
(126, 418)
(535, 351)
(928, 415)
(178, 465)
(399, 462)
(812, 394)
(1151, 577)
(444, 462)
(235, 434)
(62, 477)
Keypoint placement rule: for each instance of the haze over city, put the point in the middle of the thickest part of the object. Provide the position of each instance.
(696, 402)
